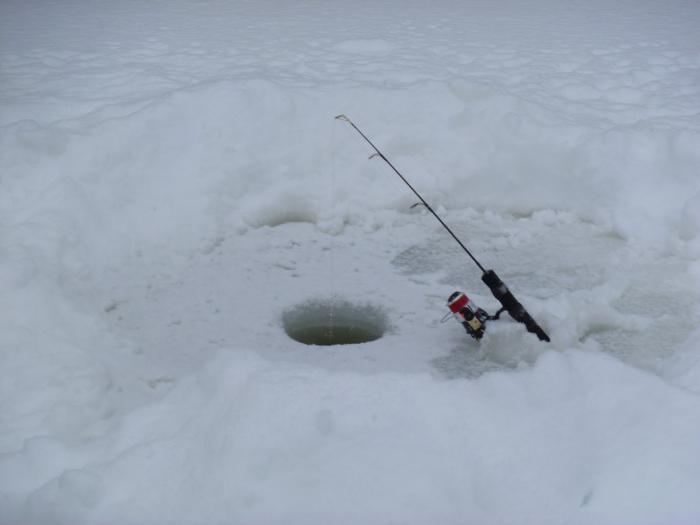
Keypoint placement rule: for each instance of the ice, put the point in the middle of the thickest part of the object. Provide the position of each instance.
(365, 46)
(173, 182)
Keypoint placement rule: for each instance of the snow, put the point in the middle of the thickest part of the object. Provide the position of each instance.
(173, 184)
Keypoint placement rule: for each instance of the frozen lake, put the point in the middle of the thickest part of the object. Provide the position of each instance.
(174, 188)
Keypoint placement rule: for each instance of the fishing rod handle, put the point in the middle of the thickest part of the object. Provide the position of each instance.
(511, 304)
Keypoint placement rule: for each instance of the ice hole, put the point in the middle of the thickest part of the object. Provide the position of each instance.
(334, 322)
(277, 218)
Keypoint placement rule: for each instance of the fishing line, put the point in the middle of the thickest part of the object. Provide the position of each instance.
(332, 239)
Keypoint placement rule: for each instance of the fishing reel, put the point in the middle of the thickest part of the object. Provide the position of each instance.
(471, 316)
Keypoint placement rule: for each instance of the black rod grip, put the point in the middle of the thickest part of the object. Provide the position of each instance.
(510, 303)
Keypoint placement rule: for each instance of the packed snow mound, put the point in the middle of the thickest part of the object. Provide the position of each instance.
(565, 428)
(244, 138)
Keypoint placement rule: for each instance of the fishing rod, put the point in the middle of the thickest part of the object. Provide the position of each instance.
(474, 319)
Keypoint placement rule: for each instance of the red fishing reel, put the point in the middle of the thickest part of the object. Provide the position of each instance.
(471, 316)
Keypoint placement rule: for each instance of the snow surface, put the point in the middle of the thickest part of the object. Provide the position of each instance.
(172, 181)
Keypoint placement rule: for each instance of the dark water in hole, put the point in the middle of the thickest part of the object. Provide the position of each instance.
(333, 335)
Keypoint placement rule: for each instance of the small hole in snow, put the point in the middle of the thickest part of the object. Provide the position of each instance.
(334, 322)
(278, 218)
